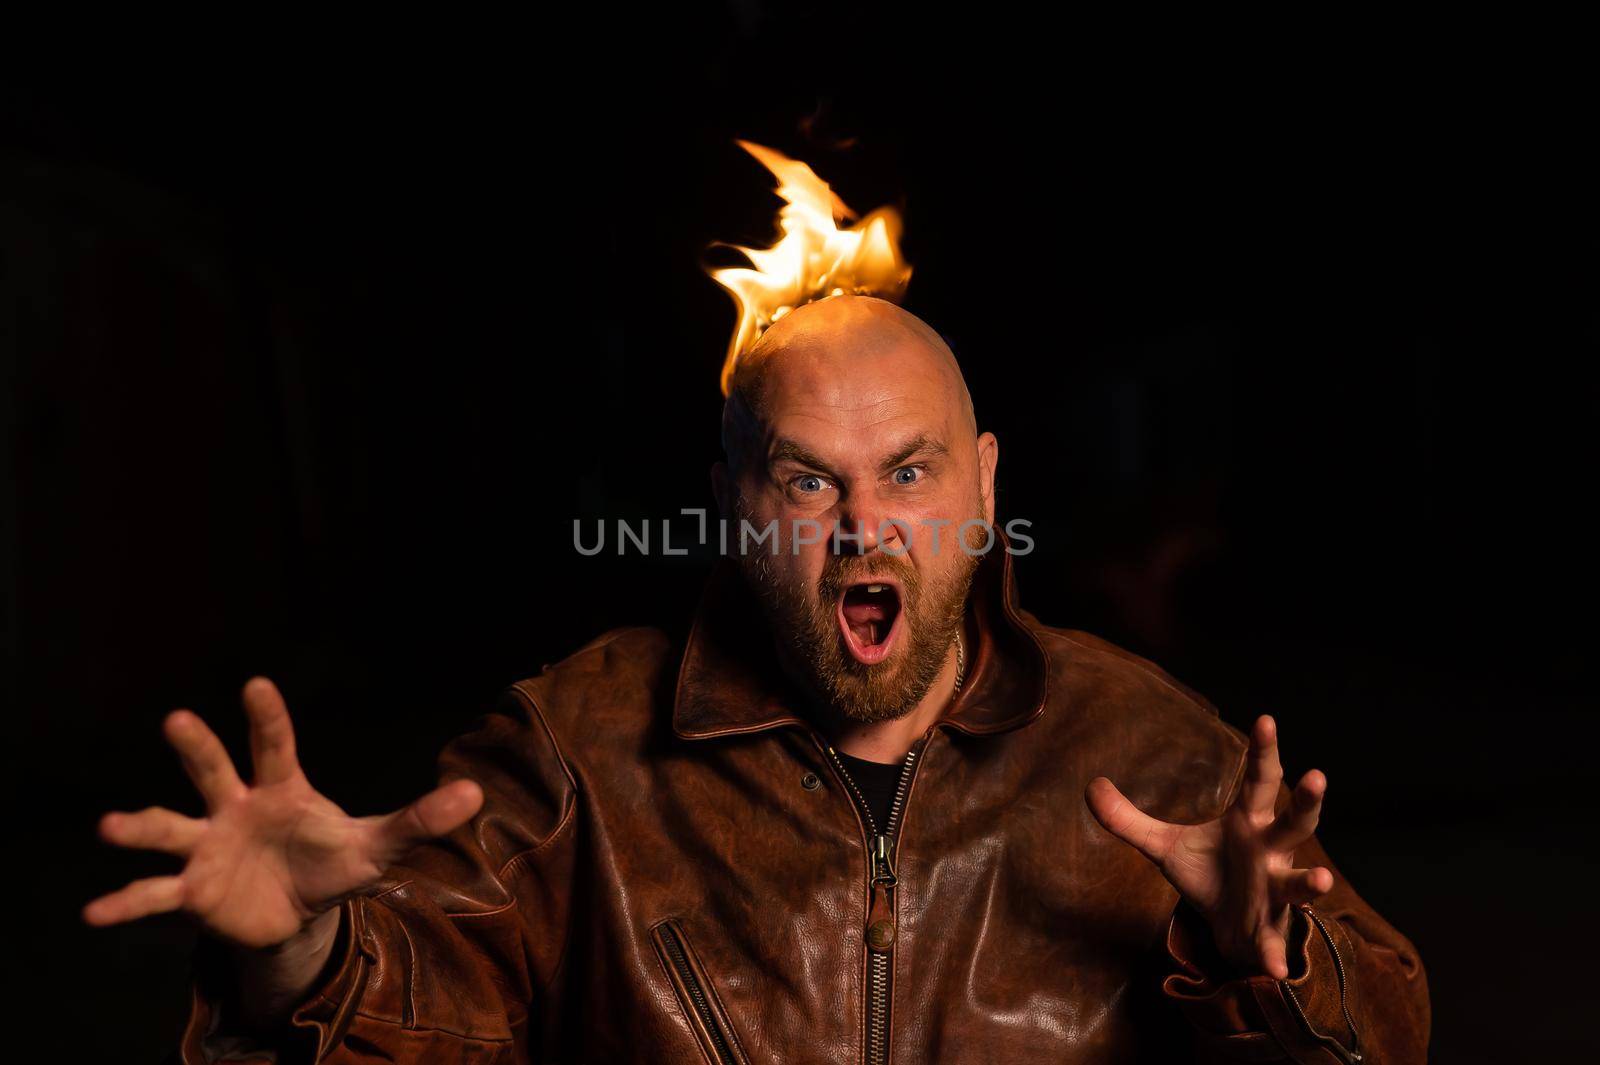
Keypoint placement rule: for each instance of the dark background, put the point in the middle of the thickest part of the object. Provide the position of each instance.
(1289, 350)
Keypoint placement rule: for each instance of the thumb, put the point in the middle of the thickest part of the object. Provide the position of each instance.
(1118, 816)
(1274, 952)
(441, 811)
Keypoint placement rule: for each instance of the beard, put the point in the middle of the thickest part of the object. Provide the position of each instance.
(804, 621)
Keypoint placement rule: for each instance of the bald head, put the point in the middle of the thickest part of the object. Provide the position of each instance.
(850, 353)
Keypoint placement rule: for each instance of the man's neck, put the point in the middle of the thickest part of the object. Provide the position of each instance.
(888, 741)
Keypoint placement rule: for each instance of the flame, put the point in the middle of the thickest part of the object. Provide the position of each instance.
(814, 259)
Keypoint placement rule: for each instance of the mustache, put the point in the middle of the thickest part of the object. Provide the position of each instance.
(843, 570)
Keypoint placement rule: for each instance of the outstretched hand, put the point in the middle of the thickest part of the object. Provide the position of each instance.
(269, 857)
(1238, 871)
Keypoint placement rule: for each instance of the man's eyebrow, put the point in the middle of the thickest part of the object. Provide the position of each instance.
(787, 450)
(921, 444)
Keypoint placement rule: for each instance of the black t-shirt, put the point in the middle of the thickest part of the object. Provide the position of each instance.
(877, 782)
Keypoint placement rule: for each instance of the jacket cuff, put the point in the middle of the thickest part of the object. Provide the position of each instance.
(1238, 1017)
(313, 1029)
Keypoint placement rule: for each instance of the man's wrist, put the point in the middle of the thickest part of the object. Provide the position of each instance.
(272, 981)
(1217, 966)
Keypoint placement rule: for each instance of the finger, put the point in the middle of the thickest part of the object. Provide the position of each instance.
(154, 829)
(442, 810)
(1263, 773)
(271, 732)
(159, 894)
(1299, 819)
(1302, 885)
(204, 758)
(1273, 951)
(1127, 822)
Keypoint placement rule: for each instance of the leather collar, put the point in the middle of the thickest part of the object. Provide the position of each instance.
(729, 681)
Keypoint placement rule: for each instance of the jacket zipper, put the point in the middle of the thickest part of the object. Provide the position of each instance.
(880, 933)
(1353, 1055)
(697, 994)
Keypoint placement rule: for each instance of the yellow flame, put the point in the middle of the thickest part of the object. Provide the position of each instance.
(814, 259)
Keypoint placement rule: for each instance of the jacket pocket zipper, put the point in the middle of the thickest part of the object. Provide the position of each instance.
(714, 1032)
(1352, 1055)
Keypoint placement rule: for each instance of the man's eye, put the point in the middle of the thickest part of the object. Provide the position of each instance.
(809, 483)
(908, 475)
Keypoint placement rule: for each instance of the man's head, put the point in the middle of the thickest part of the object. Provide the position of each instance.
(851, 413)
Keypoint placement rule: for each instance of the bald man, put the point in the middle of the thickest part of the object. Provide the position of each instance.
(871, 811)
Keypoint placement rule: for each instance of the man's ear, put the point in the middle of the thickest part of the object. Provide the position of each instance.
(988, 459)
(722, 488)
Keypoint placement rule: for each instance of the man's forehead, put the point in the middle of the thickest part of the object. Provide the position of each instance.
(849, 376)
(879, 443)
(856, 388)
(862, 413)
(846, 409)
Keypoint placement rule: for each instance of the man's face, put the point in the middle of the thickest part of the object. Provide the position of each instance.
(877, 443)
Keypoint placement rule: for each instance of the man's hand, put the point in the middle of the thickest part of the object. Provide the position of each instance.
(269, 860)
(1239, 869)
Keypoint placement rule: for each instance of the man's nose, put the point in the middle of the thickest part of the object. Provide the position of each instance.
(865, 526)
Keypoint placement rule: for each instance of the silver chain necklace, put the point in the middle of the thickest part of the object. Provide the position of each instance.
(961, 660)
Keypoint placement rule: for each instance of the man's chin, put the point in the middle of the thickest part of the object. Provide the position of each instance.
(871, 713)
(872, 694)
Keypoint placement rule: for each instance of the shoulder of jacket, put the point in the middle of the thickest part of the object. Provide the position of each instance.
(606, 684)
(1168, 735)
(1074, 653)
(1075, 643)
(632, 641)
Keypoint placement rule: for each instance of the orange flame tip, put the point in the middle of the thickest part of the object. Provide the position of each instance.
(814, 259)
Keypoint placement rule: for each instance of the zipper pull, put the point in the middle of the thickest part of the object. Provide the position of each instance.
(882, 863)
(880, 918)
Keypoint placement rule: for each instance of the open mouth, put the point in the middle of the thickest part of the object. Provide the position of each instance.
(869, 615)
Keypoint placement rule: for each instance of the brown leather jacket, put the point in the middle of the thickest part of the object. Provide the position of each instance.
(669, 868)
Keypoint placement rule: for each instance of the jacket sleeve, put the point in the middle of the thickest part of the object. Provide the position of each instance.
(1356, 990)
(454, 955)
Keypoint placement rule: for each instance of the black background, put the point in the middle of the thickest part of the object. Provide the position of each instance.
(1288, 345)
